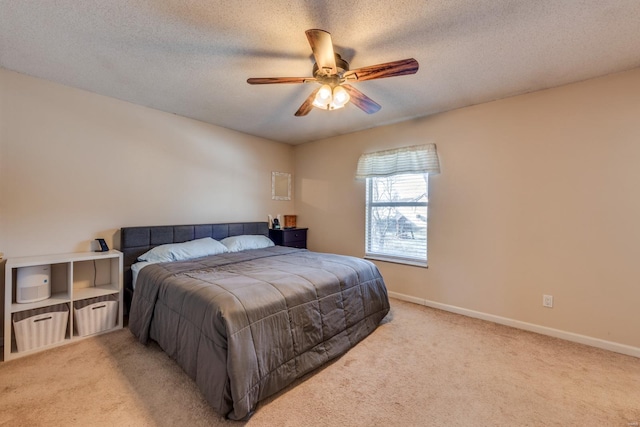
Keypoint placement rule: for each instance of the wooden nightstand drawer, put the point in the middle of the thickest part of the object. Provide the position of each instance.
(292, 237)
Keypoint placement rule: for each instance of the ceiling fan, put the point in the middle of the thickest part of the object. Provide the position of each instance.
(333, 74)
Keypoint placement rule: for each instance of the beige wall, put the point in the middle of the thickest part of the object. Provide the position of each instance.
(538, 195)
(75, 166)
(537, 192)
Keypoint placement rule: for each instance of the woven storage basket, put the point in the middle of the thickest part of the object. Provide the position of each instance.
(40, 327)
(95, 315)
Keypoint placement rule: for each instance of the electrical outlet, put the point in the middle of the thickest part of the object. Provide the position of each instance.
(547, 301)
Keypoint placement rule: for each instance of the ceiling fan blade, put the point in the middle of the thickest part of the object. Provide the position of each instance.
(272, 80)
(322, 47)
(380, 71)
(307, 105)
(361, 100)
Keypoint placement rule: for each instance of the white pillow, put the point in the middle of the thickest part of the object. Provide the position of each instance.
(246, 241)
(183, 251)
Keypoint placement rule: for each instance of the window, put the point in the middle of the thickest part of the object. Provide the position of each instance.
(396, 220)
(397, 198)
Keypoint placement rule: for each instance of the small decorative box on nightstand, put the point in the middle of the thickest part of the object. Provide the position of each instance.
(292, 237)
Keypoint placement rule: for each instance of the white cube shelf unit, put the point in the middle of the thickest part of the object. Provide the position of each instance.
(74, 276)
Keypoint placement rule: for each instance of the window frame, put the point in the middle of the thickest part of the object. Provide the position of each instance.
(370, 205)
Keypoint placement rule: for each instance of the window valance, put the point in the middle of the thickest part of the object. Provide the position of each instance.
(415, 159)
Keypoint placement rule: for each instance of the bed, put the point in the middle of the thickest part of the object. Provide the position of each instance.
(246, 324)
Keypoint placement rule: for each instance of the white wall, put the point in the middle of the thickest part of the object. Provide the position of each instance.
(538, 195)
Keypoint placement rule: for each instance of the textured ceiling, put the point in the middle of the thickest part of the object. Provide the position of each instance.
(192, 57)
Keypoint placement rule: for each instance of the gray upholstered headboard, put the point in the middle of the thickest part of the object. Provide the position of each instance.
(134, 241)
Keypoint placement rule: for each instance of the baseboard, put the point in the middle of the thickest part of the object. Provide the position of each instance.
(569, 336)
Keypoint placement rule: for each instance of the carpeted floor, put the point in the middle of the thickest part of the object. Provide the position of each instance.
(421, 367)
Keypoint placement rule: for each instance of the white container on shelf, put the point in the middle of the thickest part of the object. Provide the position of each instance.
(40, 327)
(33, 283)
(95, 315)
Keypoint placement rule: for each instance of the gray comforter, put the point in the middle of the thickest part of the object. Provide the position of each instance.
(245, 325)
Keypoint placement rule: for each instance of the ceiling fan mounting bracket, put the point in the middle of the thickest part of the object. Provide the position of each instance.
(322, 74)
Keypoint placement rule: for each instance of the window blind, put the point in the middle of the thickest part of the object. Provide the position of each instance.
(414, 159)
(397, 218)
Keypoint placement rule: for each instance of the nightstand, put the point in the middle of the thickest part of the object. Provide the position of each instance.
(292, 237)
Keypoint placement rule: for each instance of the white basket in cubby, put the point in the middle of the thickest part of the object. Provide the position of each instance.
(95, 314)
(40, 327)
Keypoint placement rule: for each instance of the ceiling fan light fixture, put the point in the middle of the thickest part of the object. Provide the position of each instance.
(319, 104)
(340, 96)
(331, 99)
(324, 95)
